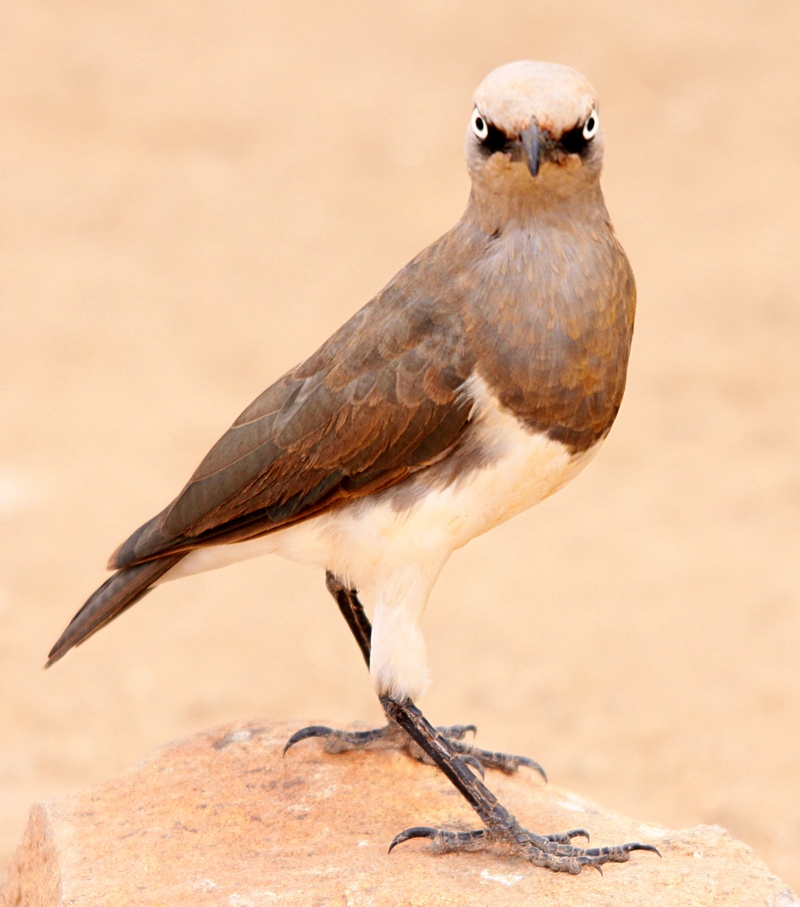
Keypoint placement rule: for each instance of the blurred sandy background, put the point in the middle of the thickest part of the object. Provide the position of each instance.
(194, 195)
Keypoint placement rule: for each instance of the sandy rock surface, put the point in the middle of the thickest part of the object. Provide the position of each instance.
(221, 818)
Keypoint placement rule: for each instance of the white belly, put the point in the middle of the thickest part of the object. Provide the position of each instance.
(392, 546)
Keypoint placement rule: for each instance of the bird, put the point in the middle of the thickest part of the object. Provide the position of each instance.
(480, 380)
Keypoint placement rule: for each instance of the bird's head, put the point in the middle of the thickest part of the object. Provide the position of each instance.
(534, 131)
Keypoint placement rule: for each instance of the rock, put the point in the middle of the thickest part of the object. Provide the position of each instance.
(221, 818)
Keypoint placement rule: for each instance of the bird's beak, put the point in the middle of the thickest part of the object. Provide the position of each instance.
(531, 146)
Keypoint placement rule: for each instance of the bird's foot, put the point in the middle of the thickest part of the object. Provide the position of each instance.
(554, 852)
(470, 754)
(392, 736)
(338, 741)
(446, 748)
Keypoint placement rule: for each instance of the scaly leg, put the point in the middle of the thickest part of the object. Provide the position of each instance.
(553, 851)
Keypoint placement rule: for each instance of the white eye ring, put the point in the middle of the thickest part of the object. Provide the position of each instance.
(591, 126)
(479, 125)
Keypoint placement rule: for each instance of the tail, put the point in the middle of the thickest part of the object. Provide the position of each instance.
(116, 595)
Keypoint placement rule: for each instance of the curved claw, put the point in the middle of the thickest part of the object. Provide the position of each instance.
(565, 836)
(316, 730)
(418, 831)
(636, 846)
(472, 762)
(619, 852)
(594, 864)
(532, 763)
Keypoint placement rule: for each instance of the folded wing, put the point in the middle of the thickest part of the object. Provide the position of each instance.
(377, 402)
(380, 400)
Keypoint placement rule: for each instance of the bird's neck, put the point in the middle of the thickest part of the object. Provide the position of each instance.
(496, 211)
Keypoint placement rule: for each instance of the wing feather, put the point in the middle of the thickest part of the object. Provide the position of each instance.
(376, 402)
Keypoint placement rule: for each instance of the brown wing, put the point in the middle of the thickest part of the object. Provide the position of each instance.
(376, 402)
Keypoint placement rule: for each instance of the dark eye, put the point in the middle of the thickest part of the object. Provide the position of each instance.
(491, 138)
(479, 126)
(576, 140)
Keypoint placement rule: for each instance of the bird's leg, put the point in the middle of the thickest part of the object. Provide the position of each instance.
(391, 736)
(551, 851)
(353, 612)
(444, 747)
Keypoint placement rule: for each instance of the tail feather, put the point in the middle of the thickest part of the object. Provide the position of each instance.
(116, 595)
